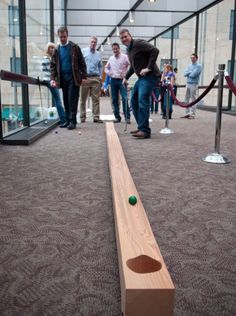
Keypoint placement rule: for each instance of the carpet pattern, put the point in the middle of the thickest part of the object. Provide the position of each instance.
(57, 243)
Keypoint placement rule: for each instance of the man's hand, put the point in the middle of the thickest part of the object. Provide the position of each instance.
(125, 82)
(144, 71)
(53, 83)
(84, 81)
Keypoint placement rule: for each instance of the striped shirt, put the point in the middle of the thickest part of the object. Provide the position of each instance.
(46, 68)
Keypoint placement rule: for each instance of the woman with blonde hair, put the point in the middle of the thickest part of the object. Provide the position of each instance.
(49, 50)
(168, 75)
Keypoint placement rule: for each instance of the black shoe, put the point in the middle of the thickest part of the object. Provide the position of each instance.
(64, 125)
(97, 121)
(71, 126)
(128, 121)
(117, 121)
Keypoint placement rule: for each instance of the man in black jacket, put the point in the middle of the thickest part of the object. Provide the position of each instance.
(68, 71)
(142, 56)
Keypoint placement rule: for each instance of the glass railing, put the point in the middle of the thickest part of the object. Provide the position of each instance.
(14, 114)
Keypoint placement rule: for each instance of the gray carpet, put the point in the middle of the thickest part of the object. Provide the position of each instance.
(57, 244)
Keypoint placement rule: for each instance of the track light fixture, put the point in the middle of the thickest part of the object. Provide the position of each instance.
(131, 18)
(117, 31)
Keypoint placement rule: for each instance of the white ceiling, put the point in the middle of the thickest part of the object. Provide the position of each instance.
(101, 17)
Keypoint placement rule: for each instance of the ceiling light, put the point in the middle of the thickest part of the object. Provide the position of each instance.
(102, 48)
(131, 18)
(117, 31)
(108, 41)
(152, 1)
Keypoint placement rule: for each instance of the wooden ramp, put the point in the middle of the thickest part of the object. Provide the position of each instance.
(146, 286)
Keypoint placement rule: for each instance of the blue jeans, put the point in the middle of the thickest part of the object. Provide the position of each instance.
(56, 101)
(116, 87)
(170, 102)
(140, 101)
(156, 92)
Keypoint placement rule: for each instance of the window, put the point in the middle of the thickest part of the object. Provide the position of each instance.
(175, 33)
(231, 26)
(174, 63)
(228, 69)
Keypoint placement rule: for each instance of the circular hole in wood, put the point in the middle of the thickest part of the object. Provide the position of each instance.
(143, 264)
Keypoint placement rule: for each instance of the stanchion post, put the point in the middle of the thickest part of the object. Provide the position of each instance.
(167, 130)
(167, 106)
(221, 69)
(216, 157)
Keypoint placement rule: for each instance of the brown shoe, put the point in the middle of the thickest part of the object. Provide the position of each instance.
(82, 120)
(186, 116)
(134, 132)
(141, 135)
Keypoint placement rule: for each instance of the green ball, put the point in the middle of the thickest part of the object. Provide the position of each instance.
(132, 200)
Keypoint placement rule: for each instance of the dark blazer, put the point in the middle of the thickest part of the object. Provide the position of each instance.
(78, 65)
(142, 55)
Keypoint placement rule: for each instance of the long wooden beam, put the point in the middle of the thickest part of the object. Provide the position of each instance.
(146, 286)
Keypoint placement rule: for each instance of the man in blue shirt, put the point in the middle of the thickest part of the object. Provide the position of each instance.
(68, 71)
(192, 73)
(93, 84)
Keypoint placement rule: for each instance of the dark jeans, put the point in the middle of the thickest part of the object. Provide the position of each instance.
(170, 102)
(116, 87)
(70, 97)
(56, 99)
(140, 101)
(154, 103)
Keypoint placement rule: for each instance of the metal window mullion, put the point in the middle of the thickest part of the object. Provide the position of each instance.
(51, 7)
(23, 56)
(232, 57)
(171, 45)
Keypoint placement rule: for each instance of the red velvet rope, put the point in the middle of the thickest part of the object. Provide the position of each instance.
(184, 105)
(230, 84)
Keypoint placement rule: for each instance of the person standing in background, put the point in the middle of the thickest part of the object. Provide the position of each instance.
(192, 73)
(175, 85)
(168, 76)
(142, 56)
(116, 67)
(68, 71)
(56, 99)
(93, 84)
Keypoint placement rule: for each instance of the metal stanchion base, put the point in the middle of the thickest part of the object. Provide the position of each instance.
(215, 158)
(166, 131)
